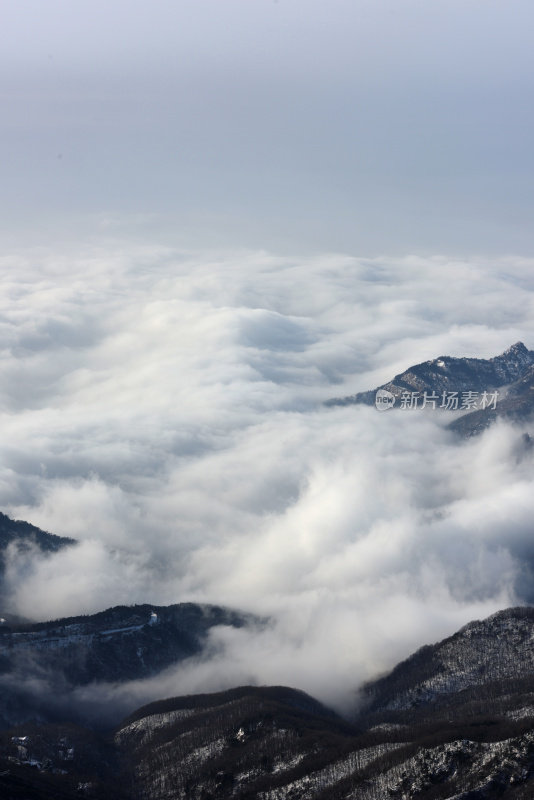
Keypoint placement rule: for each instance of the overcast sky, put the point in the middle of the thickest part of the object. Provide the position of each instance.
(364, 126)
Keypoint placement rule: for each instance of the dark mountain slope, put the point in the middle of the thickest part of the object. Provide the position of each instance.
(122, 643)
(240, 743)
(292, 698)
(25, 536)
(446, 374)
(41, 663)
(56, 762)
(487, 665)
(453, 722)
(26, 540)
(253, 743)
(516, 405)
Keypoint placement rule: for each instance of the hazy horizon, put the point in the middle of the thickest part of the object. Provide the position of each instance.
(358, 127)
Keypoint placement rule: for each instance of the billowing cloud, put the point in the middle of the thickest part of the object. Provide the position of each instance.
(166, 409)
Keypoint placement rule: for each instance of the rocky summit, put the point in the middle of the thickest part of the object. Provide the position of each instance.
(482, 389)
(446, 373)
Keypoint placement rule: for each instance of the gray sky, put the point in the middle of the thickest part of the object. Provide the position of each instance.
(362, 126)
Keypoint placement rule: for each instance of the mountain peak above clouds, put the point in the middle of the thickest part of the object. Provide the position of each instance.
(518, 350)
(482, 389)
(512, 363)
(450, 373)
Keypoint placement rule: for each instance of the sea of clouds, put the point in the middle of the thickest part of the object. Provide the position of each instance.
(166, 409)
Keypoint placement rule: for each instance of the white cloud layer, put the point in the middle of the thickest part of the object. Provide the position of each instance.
(165, 408)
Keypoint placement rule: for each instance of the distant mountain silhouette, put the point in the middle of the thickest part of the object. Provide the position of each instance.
(26, 539)
(120, 644)
(25, 536)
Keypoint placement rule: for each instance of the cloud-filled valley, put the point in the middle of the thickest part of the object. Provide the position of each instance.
(166, 409)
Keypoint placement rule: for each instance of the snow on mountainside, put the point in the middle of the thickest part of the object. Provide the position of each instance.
(262, 742)
(253, 743)
(122, 643)
(117, 645)
(516, 404)
(453, 722)
(511, 373)
(490, 657)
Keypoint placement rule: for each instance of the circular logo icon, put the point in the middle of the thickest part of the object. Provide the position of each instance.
(384, 400)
